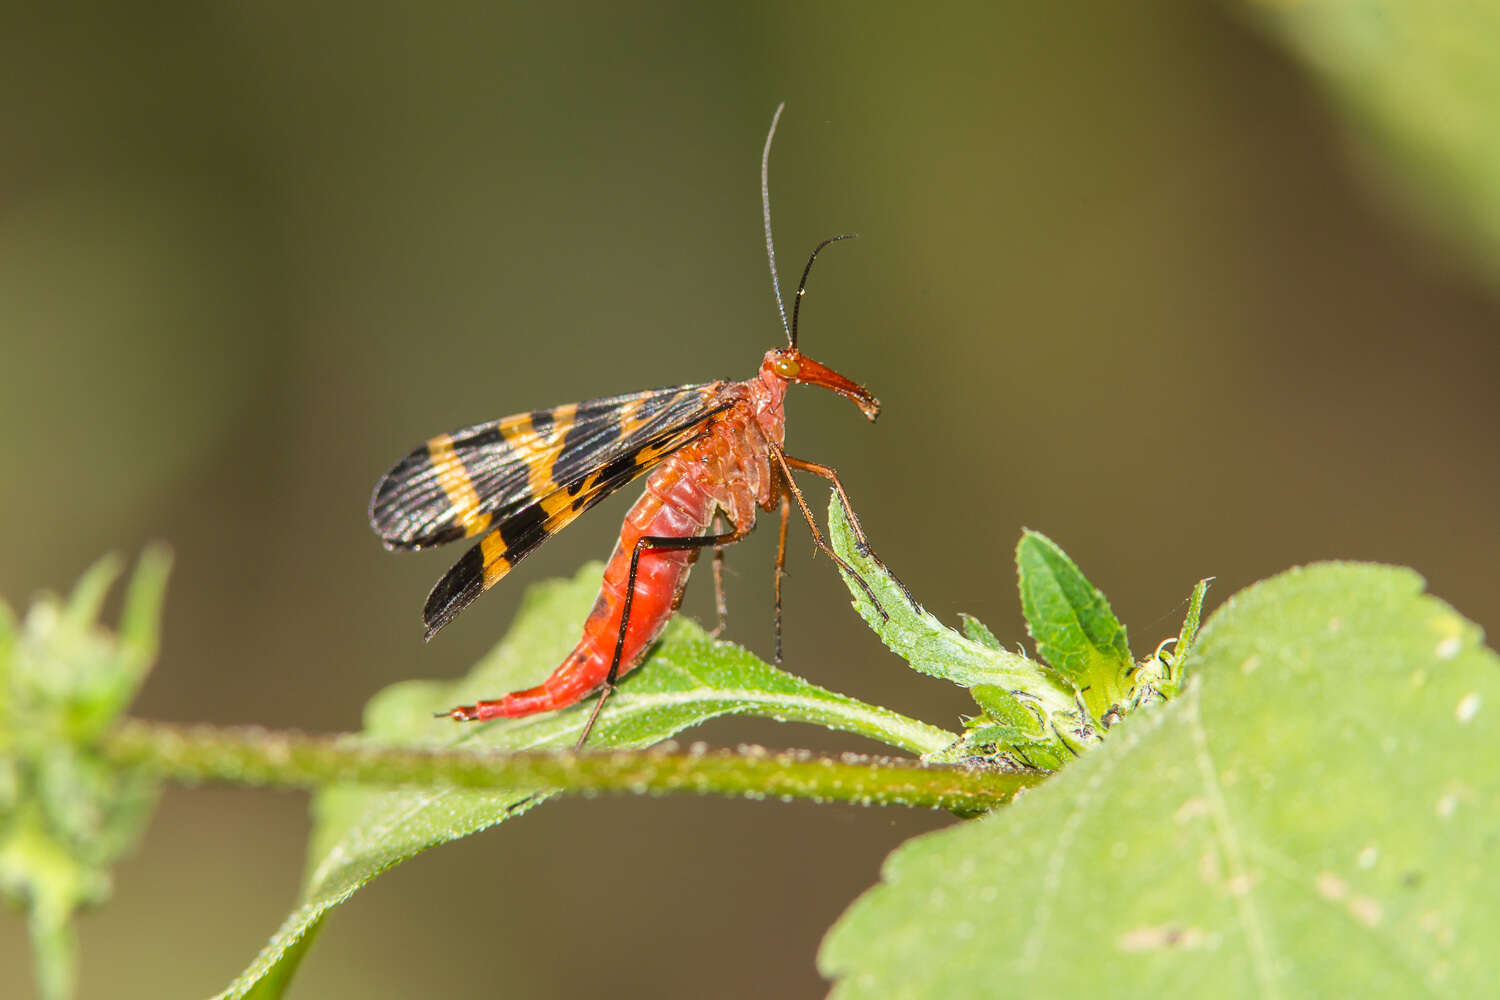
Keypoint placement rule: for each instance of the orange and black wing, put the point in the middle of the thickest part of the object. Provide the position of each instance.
(524, 478)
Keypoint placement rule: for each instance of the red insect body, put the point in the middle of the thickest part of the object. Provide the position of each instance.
(516, 481)
(726, 469)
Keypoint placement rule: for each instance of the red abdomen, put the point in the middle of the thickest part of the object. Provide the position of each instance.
(677, 505)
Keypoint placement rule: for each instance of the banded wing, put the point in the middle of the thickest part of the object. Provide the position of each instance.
(486, 564)
(461, 484)
(524, 478)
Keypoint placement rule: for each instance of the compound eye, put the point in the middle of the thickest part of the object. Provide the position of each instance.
(786, 367)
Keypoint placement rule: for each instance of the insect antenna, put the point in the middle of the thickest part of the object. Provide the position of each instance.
(765, 208)
(765, 211)
(802, 285)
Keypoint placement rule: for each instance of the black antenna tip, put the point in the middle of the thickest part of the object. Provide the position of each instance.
(802, 285)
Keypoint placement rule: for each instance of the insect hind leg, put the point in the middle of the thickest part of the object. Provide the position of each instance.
(642, 544)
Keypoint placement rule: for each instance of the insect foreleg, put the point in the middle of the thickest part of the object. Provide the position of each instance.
(643, 543)
(831, 474)
(822, 470)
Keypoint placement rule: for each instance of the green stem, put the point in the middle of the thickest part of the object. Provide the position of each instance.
(54, 945)
(293, 760)
(842, 713)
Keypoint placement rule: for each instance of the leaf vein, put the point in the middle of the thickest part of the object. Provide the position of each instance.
(1245, 909)
(1052, 870)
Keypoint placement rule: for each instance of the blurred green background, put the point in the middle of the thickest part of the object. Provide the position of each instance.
(1124, 278)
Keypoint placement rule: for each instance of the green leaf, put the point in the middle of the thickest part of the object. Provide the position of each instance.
(140, 615)
(1420, 84)
(978, 631)
(66, 813)
(1316, 815)
(688, 679)
(914, 634)
(1071, 621)
(1159, 677)
(81, 611)
(1028, 709)
(1188, 634)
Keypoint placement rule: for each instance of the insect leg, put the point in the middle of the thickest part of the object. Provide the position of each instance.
(812, 523)
(719, 604)
(786, 510)
(643, 543)
(832, 476)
